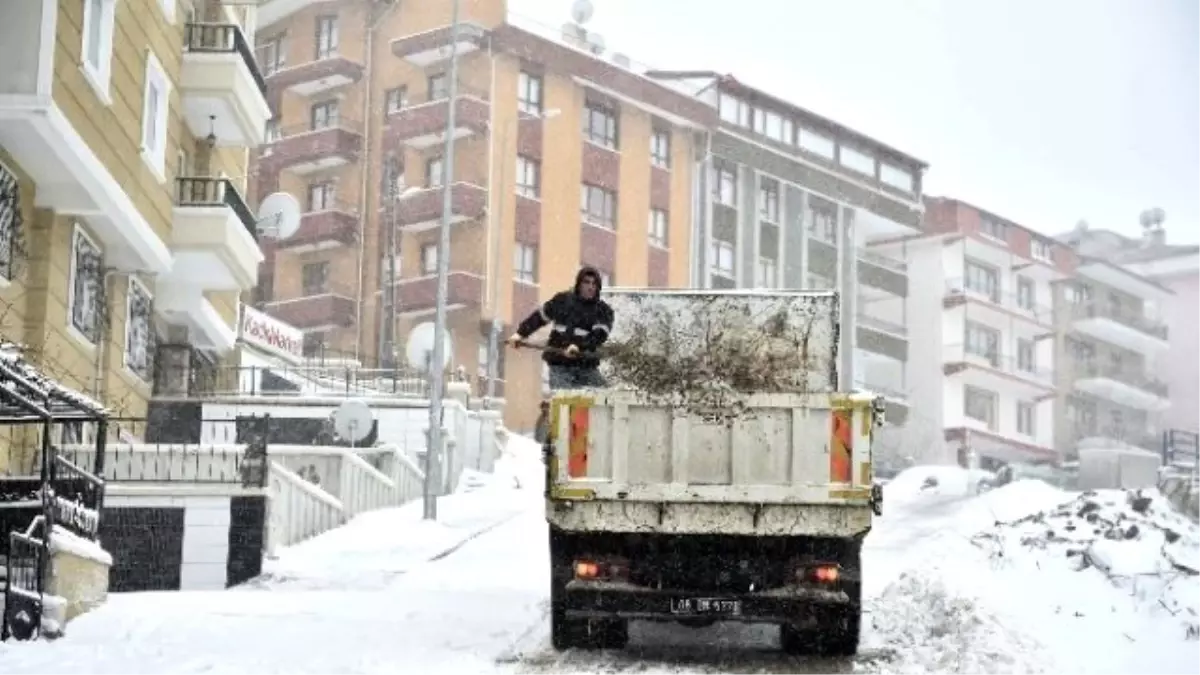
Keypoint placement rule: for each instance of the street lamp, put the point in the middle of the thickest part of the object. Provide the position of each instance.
(437, 380)
(494, 227)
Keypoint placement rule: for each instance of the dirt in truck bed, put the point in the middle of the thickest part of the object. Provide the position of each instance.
(703, 354)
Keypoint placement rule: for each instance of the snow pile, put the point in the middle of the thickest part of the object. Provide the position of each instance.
(926, 627)
(66, 541)
(1132, 540)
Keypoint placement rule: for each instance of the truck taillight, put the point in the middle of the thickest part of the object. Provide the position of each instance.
(609, 569)
(818, 574)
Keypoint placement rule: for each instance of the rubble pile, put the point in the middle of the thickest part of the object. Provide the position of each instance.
(1134, 538)
(702, 353)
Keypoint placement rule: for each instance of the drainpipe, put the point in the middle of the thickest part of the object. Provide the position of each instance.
(366, 170)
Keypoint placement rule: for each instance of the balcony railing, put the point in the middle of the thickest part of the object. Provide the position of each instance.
(865, 255)
(1010, 301)
(225, 38)
(203, 192)
(1132, 319)
(960, 353)
(291, 131)
(868, 321)
(1129, 376)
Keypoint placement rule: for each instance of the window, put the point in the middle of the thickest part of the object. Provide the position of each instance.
(774, 127)
(818, 144)
(901, 179)
(767, 274)
(529, 177)
(429, 259)
(321, 196)
(395, 99)
(990, 227)
(1078, 294)
(323, 115)
(729, 107)
(980, 404)
(433, 172)
(598, 206)
(272, 54)
(139, 356)
(1026, 418)
(98, 20)
(768, 200)
(1025, 293)
(1040, 248)
(154, 118)
(10, 214)
(438, 87)
(393, 176)
(327, 37)
(658, 227)
(272, 132)
(529, 93)
(856, 160)
(525, 263)
(600, 125)
(725, 186)
(314, 278)
(822, 220)
(1026, 356)
(87, 286)
(660, 148)
(314, 344)
(983, 279)
(721, 253)
(983, 341)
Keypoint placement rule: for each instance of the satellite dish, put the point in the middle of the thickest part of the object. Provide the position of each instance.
(419, 349)
(581, 11)
(279, 215)
(353, 420)
(596, 43)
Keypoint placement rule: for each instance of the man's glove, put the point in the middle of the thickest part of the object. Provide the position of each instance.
(515, 340)
(571, 351)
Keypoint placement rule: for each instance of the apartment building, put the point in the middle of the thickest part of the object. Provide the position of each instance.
(782, 188)
(1133, 331)
(125, 235)
(992, 333)
(562, 156)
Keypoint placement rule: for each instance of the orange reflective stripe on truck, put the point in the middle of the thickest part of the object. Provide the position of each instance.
(841, 445)
(577, 448)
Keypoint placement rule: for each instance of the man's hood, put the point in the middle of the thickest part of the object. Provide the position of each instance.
(589, 271)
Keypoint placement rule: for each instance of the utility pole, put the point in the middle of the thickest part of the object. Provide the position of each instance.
(848, 289)
(437, 379)
(494, 301)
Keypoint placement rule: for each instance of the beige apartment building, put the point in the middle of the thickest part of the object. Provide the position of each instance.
(563, 156)
(125, 236)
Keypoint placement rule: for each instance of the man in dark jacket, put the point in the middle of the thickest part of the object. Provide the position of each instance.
(580, 322)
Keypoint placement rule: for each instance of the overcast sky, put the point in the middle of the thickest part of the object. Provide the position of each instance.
(1043, 111)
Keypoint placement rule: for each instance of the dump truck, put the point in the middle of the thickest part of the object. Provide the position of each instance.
(719, 476)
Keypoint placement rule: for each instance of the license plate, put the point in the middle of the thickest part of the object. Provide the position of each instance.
(709, 606)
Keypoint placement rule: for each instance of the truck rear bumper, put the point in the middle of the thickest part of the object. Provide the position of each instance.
(628, 601)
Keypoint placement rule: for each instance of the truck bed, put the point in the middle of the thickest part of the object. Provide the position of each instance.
(786, 463)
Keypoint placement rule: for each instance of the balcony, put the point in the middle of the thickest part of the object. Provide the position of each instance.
(318, 308)
(882, 337)
(417, 296)
(427, 48)
(320, 75)
(1125, 386)
(1129, 329)
(422, 122)
(214, 238)
(1000, 307)
(998, 373)
(422, 210)
(327, 228)
(304, 150)
(874, 269)
(222, 89)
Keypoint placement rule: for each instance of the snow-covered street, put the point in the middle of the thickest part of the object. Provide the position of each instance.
(949, 590)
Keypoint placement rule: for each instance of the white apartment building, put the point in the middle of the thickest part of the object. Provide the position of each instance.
(984, 322)
(1111, 340)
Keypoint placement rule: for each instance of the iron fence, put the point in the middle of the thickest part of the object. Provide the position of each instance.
(25, 583)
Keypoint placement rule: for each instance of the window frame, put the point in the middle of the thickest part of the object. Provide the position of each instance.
(608, 116)
(607, 217)
(397, 96)
(529, 168)
(9, 215)
(89, 329)
(769, 201)
(155, 115)
(433, 179)
(761, 269)
(530, 93)
(1027, 409)
(98, 75)
(434, 92)
(720, 174)
(332, 114)
(525, 263)
(429, 259)
(325, 42)
(144, 371)
(980, 394)
(323, 286)
(660, 148)
(659, 219)
(715, 249)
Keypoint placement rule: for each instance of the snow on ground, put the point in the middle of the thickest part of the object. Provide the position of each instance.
(956, 583)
